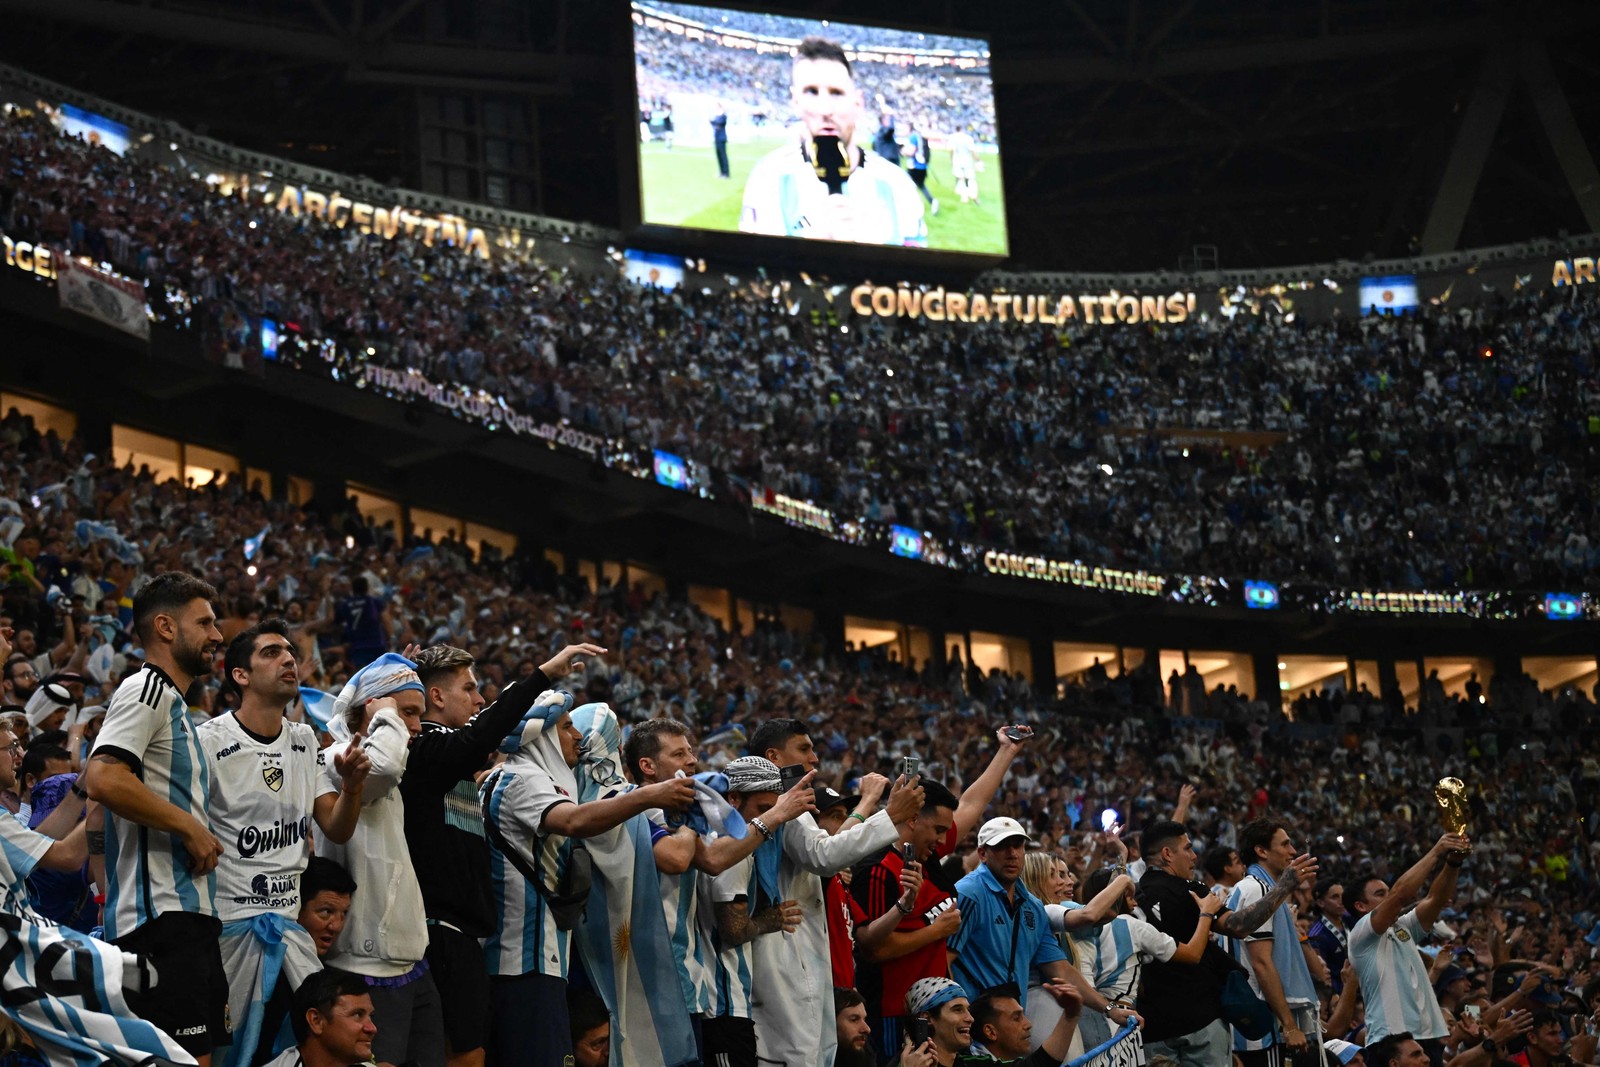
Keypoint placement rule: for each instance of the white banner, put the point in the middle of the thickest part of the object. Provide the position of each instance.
(117, 302)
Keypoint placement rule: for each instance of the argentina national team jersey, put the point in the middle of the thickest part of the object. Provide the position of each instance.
(147, 726)
(729, 964)
(1394, 980)
(526, 939)
(785, 198)
(680, 898)
(262, 796)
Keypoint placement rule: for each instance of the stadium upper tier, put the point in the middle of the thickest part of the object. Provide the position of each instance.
(1453, 448)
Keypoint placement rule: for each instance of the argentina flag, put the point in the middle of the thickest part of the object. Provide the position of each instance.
(623, 938)
(319, 706)
(64, 989)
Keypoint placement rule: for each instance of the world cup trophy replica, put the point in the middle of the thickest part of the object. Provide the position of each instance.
(1451, 793)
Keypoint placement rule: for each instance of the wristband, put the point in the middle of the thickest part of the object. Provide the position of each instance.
(759, 825)
(79, 792)
(856, 815)
(905, 910)
(1454, 863)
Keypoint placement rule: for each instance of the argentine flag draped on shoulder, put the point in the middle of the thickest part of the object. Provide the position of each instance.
(64, 989)
(623, 939)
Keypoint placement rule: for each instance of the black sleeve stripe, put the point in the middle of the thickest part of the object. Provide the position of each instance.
(123, 755)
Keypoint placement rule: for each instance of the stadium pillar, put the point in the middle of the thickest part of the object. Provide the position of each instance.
(1389, 686)
(1566, 138)
(1264, 675)
(94, 426)
(830, 627)
(1042, 650)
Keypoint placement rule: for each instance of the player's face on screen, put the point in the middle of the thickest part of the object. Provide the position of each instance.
(826, 98)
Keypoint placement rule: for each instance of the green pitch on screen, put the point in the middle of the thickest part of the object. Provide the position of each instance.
(681, 188)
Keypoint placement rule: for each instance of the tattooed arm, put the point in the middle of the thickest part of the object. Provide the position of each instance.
(1247, 920)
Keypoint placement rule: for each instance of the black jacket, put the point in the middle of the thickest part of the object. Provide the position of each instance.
(445, 834)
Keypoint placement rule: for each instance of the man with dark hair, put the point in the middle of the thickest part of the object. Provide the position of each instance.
(1384, 948)
(829, 186)
(150, 771)
(333, 1022)
(1271, 952)
(267, 788)
(915, 948)
(738, 914)
(1395, 1050)
(1181, 1003)
(590, 1024)
(658, 750)
(793, 975)
(852, 1029)
(1002, 1033)
(21, 679)
(1327, 937)
(444, 825)
(325, 892)
(364, 624)
(1224, 867)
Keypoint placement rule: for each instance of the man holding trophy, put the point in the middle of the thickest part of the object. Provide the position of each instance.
(1384, 941)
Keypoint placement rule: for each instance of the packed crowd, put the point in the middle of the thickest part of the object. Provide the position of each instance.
(939, 100)
(800, 894)
(1449, 449)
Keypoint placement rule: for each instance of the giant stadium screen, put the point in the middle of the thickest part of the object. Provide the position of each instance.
(792, 127)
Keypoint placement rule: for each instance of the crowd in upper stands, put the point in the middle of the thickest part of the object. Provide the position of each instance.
(1452, 448)
(1349, 779)
(939, 100)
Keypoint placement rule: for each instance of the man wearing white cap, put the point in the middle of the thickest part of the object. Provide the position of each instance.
(1004, 929)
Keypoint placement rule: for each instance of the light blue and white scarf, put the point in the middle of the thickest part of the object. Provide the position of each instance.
(623, 938)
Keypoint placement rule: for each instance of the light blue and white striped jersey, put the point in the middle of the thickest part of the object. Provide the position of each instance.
(1394, 980)
(21, 849)
(730, 965)
(1113, 954)
(525, 939)
(148, 727)
(680, 898)
(1288, 959)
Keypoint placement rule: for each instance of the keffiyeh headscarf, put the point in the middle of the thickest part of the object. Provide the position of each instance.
(46, 701)
(390, 673)
(926, 994)
(753, 774)
(534, 740)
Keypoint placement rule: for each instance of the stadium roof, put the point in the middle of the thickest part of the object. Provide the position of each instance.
(1136, 135)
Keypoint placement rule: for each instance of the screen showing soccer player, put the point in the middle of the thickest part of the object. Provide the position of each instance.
(815, 129)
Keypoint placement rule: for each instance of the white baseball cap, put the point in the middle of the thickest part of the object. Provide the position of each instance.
(1345, 1050)
(1002, 829)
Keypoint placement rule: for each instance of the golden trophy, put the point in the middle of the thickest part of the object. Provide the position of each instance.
(1451, 793)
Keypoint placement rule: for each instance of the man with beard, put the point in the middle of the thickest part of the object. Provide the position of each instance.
(149, 770)
(21, 680)
(266, 788)
(850, 1019)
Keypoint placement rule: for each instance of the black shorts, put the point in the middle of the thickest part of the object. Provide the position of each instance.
(190, 998)
(730, 1042)
(456, 962)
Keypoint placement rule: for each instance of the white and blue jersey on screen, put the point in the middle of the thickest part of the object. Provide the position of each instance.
(148, 727)
(784, 197)
(1394, 979)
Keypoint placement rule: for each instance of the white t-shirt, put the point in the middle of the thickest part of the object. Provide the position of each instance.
(262, 796)
(1394, 980)
(731, 965)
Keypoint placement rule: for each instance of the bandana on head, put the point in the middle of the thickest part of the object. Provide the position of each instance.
(536, 742)
(926, 994)
(753, 774)
(390, 673)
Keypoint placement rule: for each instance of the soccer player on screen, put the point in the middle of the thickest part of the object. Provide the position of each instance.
(872, 202)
